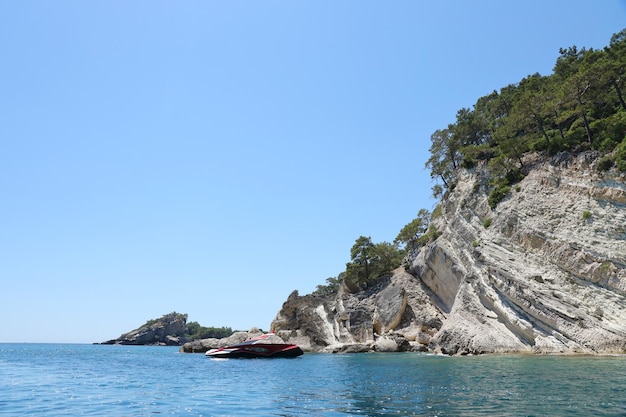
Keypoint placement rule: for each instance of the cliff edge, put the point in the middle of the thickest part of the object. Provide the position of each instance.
(543, 272)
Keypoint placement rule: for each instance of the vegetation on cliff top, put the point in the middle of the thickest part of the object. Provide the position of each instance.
(581, 106)
(193, 329)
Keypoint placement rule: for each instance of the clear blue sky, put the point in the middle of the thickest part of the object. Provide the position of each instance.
(210, 157)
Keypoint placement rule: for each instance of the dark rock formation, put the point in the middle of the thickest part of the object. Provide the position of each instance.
(168, 330)
(390, 305)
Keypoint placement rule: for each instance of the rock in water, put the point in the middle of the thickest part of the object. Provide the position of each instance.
(203, 345)
(385, 344)
(390, 305)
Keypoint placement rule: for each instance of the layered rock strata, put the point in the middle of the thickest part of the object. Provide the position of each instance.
(544, 272)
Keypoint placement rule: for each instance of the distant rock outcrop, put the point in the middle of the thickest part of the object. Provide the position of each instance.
(543, 272)
(168, 330)
(203, 345)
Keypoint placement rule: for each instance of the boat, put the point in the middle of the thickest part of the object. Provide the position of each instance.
(257, 347)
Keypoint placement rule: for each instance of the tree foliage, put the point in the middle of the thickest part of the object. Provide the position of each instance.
(196, 331)
(580, 106)
(370, 261)
(167, 318)
(411, 234)
(331, 286)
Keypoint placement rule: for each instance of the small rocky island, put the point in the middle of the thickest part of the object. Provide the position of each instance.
(169, 330)
(173, 330)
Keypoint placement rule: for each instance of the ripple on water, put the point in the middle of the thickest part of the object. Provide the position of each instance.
(60, 380)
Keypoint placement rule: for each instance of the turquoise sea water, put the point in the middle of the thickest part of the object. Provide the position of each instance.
(75, 380)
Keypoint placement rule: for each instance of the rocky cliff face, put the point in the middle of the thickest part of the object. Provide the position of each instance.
(543, 272)
(168, 330)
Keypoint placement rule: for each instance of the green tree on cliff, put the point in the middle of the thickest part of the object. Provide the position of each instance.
(371, 260)
(411, 233)
(580, 106)
(196, 331)
(332, 285)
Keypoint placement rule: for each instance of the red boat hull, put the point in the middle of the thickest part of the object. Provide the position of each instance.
(256, 350)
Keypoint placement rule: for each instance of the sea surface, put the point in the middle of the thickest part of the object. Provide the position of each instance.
(96, 380)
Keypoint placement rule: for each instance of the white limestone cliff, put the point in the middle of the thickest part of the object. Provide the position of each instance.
(543, 272)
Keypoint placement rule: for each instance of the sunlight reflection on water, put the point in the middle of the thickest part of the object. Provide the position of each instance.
(55, 380)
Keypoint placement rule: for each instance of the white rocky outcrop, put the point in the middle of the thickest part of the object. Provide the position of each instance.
(398, 308)
(543, 272)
